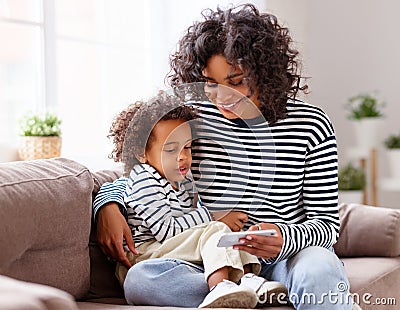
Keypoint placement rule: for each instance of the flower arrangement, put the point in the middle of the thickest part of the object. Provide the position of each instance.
(40, 136)
(40, 125)
(393, 141)
(351, 178)
(363, 106)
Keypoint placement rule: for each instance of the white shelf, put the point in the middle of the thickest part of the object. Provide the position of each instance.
(357, 153)
(390, 184)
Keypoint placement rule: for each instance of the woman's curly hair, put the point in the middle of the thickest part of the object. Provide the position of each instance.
(131, 130)
(255, 42)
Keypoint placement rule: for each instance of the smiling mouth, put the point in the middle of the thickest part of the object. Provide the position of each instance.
(230, 106)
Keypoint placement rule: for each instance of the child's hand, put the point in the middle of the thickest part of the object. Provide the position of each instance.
(234, 219)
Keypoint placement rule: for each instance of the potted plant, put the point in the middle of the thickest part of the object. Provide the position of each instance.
(365, 111)
(351, 183)
(40, 136)
(392, 144)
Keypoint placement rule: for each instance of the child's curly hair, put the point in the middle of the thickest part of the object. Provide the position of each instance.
(253, 41)
(131, 129)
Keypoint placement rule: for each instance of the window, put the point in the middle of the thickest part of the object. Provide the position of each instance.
(21, 62)
(85, 61)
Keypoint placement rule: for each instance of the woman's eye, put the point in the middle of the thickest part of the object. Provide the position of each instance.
(211, 84)
(236, 83)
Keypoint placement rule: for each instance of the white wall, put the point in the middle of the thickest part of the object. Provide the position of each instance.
(349, 47)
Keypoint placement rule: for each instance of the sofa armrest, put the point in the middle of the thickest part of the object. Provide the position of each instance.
(18, 295)
(45, 212)
(368, 231)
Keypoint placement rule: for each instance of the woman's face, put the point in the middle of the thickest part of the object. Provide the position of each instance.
(226, 89)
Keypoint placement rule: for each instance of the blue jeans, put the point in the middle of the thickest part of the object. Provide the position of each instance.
(315, 279)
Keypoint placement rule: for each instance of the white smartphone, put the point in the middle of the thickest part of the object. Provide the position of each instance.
(230, 239)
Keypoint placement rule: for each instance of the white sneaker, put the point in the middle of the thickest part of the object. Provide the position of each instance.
(356, 307)
(227, 294)
(268, 292)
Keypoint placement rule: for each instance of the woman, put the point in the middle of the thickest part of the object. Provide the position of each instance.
(277, 170)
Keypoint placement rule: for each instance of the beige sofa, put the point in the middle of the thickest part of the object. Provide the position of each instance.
(46, 239)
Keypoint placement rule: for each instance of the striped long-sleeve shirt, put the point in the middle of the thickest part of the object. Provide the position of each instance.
(284, 174)
(157, 211)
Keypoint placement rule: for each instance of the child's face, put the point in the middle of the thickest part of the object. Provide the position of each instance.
(227, 90)
(170, 149)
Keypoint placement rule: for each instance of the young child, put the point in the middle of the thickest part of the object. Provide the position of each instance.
(166, 218)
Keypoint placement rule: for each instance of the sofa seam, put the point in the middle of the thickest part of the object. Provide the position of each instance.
(46, 179)
(391, 229)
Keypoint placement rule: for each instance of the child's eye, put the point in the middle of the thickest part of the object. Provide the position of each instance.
(170, 150)
(189, 147)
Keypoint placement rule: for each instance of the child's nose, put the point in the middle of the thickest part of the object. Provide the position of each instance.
(183, 154)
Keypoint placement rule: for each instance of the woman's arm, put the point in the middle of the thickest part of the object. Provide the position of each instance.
(111, 226)
(320, 201)
(112, 230)
(321, 228)
(110, 193)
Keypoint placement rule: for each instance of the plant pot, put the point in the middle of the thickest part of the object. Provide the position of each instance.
(34, 147)
(394, 163)
(367, 132)
(351, 196)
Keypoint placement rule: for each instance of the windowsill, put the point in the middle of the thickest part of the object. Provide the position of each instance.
(9, 153)
(94, 163)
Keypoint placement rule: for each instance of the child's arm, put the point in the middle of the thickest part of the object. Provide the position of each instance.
(109, 212)
(233, 219)
(151, 203)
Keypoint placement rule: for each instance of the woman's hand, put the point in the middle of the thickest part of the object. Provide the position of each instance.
(234, 219)
(112, 229)
(262, 246)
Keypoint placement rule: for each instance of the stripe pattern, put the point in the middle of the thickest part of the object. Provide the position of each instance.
(155, 210)
(284, 174)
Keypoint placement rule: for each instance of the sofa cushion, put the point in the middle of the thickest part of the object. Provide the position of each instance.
(45, 211)
(368, 231)
(103, 283)
(103, 176)
(373, 280)
(19, 295)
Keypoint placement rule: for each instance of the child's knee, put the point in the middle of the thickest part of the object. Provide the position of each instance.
(219, 226)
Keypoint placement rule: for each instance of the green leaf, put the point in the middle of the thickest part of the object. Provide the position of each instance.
(393, 142)
(351, 178)
(40, 125)
(363, 106)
